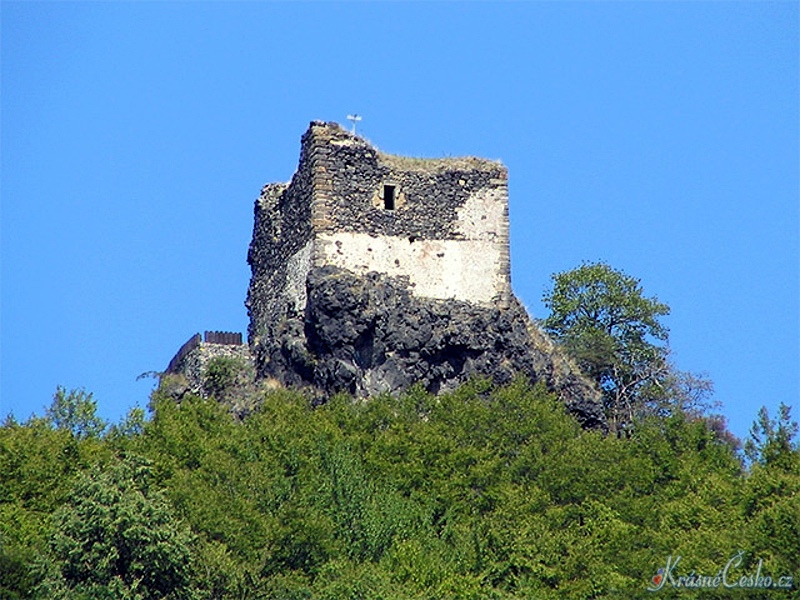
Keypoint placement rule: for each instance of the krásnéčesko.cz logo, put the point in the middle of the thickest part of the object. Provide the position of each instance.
(730, 576)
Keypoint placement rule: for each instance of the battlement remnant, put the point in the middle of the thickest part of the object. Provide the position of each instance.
(193, 358)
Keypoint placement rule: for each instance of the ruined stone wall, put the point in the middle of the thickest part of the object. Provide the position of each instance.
(191, 361)
(280, 252)
(194, 365)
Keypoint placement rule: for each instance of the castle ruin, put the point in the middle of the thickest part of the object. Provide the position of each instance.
(373, 272)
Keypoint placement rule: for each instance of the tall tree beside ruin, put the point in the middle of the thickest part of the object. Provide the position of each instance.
(606, 323)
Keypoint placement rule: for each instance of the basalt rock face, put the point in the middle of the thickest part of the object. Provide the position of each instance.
(369, 334)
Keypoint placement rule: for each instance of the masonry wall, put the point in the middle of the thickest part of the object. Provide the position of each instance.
(448, 230)
(193, 357)
(280, 251)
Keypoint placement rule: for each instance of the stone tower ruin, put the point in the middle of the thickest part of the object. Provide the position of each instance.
(439, 225)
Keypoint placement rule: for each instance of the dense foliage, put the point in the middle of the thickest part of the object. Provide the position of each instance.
(482, 493)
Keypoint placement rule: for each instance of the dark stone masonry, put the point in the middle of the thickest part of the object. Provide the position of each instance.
(372, 273)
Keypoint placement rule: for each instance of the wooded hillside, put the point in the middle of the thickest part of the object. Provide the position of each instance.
(482, 493)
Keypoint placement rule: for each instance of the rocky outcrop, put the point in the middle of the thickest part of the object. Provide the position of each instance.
(368, 335)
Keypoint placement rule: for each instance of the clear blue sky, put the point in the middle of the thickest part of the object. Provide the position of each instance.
(659, 137)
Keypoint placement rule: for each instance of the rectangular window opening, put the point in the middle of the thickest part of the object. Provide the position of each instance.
(388, 197)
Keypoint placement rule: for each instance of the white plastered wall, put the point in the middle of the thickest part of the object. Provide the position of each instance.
(297, 269)
(469, 269)
(461, 269)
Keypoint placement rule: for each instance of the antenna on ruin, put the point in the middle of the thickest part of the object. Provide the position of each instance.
(354, 119)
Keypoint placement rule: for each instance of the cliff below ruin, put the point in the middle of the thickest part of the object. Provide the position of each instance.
(369, 335)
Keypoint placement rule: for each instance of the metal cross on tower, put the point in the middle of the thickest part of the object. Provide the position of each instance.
(354, 119)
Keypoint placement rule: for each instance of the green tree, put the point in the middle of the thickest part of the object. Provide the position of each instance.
(130, 426)
(75, 411)
(613, 331)
(116, 537)
(38, 467)
(772, 442)
(771, 491)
